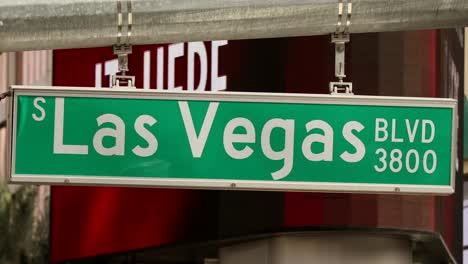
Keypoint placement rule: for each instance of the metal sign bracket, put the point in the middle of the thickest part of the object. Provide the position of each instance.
(122, 50)
(340, 37)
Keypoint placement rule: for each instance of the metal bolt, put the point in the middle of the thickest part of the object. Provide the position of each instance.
(397, 189)
(67, 181)
(233, 185)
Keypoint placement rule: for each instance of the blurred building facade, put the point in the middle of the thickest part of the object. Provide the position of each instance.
(23, 68)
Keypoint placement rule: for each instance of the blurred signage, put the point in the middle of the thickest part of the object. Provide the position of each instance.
(256, 141)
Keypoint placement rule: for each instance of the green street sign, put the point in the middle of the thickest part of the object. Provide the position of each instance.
(253, 141)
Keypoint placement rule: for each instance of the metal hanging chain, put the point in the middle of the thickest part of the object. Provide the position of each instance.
(340, 37)
(123, 49)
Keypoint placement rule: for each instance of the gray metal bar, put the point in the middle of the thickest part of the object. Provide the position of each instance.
(56, 24)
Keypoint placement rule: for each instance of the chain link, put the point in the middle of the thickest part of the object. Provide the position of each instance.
(343, 26)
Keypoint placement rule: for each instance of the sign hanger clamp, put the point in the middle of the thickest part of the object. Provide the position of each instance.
(122, 50)
(5, 95)
(340, 37)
